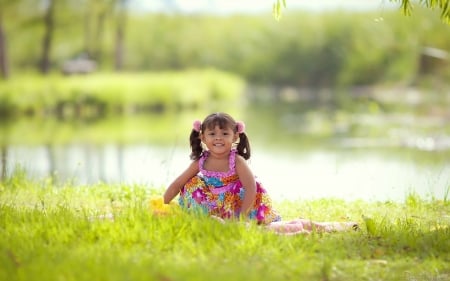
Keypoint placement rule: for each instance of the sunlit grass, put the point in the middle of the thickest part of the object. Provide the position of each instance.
(142, 128)
(55, 231)
(106, 93)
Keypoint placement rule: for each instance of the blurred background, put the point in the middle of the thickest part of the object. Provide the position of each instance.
(345, 99)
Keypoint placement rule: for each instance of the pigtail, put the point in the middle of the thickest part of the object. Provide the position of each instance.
(196, 145)
(243, 147)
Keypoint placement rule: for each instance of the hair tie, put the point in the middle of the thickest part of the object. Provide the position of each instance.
(197, 126)
(240, 127)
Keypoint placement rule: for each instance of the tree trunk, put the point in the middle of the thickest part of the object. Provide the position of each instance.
(87, 37)
(4, 71)
(4, 157)
(120, 36)
(99, 31)
(48, 36)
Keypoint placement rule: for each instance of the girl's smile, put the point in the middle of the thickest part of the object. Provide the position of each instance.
(219, 140)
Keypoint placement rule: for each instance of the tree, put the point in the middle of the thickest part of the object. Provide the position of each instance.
(48, 36)
(95, 18)
(120, 35)
(5, 7)
(3, 57)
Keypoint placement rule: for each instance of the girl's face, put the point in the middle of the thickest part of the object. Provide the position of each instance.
(219, 141)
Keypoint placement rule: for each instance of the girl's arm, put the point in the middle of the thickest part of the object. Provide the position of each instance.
(175, 187)
(248, 182)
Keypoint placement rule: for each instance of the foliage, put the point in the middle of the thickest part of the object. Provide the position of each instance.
(443, 5)
(304, 49)
(59, 231)
(277, 8)
(405, 5)
(105, 93)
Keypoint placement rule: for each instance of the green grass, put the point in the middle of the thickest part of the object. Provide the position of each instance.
(52, 231)
(132, 129)
(100, 94)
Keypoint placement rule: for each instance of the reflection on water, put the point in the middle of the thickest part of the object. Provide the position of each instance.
(314, 174)
(368, 177)
(87, 164)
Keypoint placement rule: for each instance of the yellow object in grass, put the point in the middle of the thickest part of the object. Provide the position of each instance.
(158, 207)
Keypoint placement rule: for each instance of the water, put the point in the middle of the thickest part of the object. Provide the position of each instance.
(286, 175)
(368, 177)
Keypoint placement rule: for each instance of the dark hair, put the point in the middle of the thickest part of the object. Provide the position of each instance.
(223, 120)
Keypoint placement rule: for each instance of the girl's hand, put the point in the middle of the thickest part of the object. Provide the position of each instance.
(158, 207)
(219, 219)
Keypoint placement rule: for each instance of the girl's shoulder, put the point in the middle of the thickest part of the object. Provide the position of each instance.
(194, 166)
(239, 160)
(194, 162)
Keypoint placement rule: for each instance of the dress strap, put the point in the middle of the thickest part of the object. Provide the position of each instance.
(202, 159)
(232, 161)
(231, 165)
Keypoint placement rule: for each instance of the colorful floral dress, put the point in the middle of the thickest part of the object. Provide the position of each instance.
(221, 194)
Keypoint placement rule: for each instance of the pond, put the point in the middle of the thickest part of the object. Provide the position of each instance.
(299, 150)
(287, 175)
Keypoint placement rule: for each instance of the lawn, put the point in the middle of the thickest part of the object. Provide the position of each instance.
(57, 231)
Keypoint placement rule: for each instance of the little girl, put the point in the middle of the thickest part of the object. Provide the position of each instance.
(219, 182)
